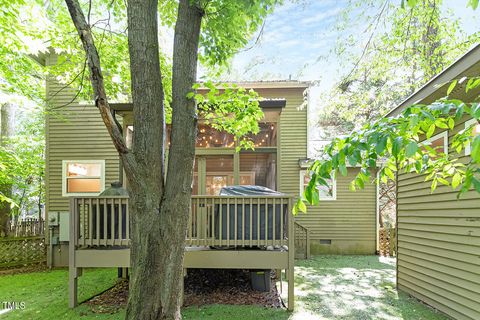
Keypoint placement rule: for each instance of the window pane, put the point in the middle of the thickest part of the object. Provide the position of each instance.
(219, 173)
(83, 185)
(84, 170)
(267, 136)
(324, 192)
(475, 127)
(438, 145)
(258, 169)
(207, 137)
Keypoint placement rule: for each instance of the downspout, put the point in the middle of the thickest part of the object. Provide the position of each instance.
(50, 246)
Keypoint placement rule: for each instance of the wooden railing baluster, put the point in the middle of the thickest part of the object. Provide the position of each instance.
(104, 221)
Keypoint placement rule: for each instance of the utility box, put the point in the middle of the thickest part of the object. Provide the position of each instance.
(53, 218)
(64, 222)
(260, 280)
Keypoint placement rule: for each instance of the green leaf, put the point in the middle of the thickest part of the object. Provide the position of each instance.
(430, 131)
(434, 185)
(381, 145)
(452, 86)
(451, 123)
(343, 169)
(456, 180)
(475, 153)
(473, 4)
(300, 205)
(411, 149)
(476, 183)
(352, 186)
(397, 146)
(443, 181)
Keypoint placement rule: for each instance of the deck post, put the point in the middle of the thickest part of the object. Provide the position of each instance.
(182, 291)
(291, 257)
(72, 270)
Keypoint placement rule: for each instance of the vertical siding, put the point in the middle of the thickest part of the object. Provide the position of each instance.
(439, 245)
(350, 221)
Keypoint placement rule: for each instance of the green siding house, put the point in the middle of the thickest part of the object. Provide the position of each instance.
(87, 229)
(438, 257)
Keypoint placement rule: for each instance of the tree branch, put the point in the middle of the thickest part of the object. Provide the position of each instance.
(96, 77)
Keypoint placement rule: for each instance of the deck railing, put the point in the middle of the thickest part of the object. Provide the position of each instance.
(302, 241)
(101, 221)
(222, 221)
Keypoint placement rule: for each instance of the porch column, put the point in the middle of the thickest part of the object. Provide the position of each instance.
(291, 257)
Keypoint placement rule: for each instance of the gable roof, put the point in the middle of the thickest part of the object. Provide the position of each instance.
(466, 66)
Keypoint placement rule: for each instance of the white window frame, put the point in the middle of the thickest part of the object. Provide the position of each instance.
(334, 187)
(468, 124)
(64, 178)
(443, 135)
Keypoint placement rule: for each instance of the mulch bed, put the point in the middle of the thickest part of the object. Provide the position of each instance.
(202, 286)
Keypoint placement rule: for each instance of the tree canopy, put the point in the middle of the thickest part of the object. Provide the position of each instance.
(405, 46)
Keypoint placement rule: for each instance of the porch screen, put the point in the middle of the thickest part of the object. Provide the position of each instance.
(261, 169)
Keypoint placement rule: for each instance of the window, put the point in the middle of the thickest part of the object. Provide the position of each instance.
(83, 177)
(438, 142)
(475, 132)
(325, 193)
(262, 168)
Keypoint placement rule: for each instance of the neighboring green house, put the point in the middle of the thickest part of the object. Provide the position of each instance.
(439, 235)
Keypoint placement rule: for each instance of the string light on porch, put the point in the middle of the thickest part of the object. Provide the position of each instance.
(209, 137)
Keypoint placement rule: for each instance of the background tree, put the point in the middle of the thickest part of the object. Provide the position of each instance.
(405, 47)
(7, 115)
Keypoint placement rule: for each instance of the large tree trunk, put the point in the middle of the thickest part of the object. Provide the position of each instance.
(176, 204)
(158, 250)
(6, 131)
(148, 144)
(159, 207)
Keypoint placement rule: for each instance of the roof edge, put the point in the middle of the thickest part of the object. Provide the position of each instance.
(265, 84)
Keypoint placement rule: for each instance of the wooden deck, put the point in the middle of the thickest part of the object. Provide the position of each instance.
(224, 232)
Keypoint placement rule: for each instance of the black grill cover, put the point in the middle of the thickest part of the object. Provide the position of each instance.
(244, 211)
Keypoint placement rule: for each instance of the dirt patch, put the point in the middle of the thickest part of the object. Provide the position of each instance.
(202, 286)
(111, 300)
(220, 286)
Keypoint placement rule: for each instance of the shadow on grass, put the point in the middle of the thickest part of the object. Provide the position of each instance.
(353, 287)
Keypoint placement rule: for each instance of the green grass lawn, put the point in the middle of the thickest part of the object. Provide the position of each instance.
(326, 287)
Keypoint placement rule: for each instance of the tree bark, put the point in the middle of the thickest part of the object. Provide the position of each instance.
(7, 112)
(176, 205)
(159, 207)
(157, 260)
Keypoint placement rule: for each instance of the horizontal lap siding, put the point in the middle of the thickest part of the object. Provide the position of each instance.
(439, 245)
(350, 220)
(74, 132)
